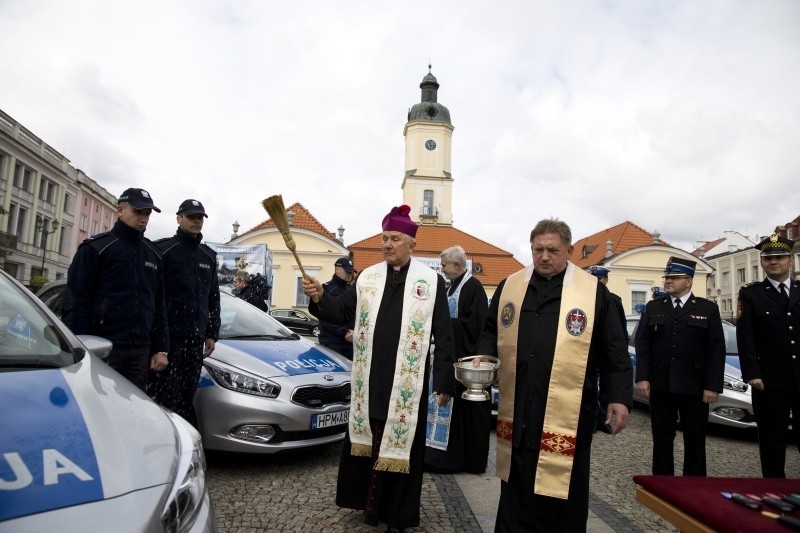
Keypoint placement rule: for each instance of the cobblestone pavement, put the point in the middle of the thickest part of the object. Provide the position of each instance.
(294, 491)
(615, 460)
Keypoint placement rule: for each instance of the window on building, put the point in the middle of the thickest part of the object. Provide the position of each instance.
(69, 203)
(95, 225)
(3, 162)
(11, 269)
(84, 223)
(85, 202)
(638, 297)
(47, 191)
(22, 177)
(427, 203)
(97, 208)
(11, 220)
(19, 224)
(740, 275)
(300, 298)
(726, 279)
(755, 272)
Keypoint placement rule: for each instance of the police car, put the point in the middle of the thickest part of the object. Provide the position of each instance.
(264, 389)
(81, 448)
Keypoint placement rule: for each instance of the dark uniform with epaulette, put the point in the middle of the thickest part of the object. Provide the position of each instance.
(681, 353)
(768, 335)
(115, 290)
(193, 311)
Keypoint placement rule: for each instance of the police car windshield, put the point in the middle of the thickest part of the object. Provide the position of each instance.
(240, 320)
(28, 338)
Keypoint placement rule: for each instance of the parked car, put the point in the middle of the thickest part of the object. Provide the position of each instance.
(264, 389)
(80, 446)
(735, 406)
(296, 320)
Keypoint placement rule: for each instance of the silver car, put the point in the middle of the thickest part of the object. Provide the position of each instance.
(266, 389)
(81, 448)
(735, 406)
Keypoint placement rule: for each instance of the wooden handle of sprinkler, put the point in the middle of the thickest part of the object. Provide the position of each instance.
(287, 237)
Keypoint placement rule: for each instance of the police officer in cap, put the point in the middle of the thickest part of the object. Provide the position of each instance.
(680, 361)
(338, 337)
(768, 335)
(193, 311)
(601, 273)
(115, 289)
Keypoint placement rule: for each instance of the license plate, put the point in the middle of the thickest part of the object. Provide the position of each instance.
(326, 420)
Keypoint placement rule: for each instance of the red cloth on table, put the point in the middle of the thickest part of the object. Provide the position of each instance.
(700, 498)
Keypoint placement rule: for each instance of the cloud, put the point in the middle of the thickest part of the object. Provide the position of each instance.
(679, 116)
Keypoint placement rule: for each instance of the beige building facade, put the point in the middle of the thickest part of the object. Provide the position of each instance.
(634, 273)
(317, 248)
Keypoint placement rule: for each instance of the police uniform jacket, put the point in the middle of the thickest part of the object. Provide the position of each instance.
(768, 335)
(330, 333)
(115, 289)
(681, 351)
(191, 285)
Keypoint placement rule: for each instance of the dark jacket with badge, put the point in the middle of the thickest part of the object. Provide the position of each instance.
(330, 333)
(681, 351)
(768, 335)
(115, 289)
(191, 285)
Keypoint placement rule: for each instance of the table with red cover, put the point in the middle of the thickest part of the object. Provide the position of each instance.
(695, 503)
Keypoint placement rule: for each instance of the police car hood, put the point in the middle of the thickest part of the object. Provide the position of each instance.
(279, 357)
(78, 434)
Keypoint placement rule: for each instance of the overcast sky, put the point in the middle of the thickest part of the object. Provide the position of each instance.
(680, 116)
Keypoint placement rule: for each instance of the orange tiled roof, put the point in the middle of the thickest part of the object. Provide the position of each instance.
(303, 219)
(496, 264)
(591, 250)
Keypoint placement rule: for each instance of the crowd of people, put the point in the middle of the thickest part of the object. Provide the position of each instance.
(557, 331)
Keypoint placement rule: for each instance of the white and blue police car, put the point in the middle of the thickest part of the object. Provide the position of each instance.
(81, 448)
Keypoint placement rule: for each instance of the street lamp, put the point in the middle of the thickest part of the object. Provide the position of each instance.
(40, 225)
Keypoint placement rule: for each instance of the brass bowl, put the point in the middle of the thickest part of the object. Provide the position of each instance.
(476, 379)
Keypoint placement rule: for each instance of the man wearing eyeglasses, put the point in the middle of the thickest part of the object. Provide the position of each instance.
(680, 361)
(115, 289)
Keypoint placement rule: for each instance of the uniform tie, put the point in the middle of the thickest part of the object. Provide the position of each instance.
(782, 290)
(677, 305)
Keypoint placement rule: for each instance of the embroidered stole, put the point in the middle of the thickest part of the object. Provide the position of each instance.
(412, 351)
(565, 391)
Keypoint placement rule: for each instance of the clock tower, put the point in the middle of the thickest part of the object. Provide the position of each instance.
(428, 184)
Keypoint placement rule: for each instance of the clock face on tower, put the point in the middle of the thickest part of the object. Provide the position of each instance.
(430, 144)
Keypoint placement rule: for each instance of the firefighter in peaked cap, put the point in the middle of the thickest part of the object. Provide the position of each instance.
(680, 361)
(768, 335)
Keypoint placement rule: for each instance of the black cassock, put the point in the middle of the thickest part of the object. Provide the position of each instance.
(389, 497)
(520, 509)
(470, 424)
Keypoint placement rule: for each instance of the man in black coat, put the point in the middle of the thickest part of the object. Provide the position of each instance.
(539, 325)
(768, 335)
(680, 362)
(193, 310)
(115, 289)
(601, 273)
(338, 337)
(401, 305)
(470, 421)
